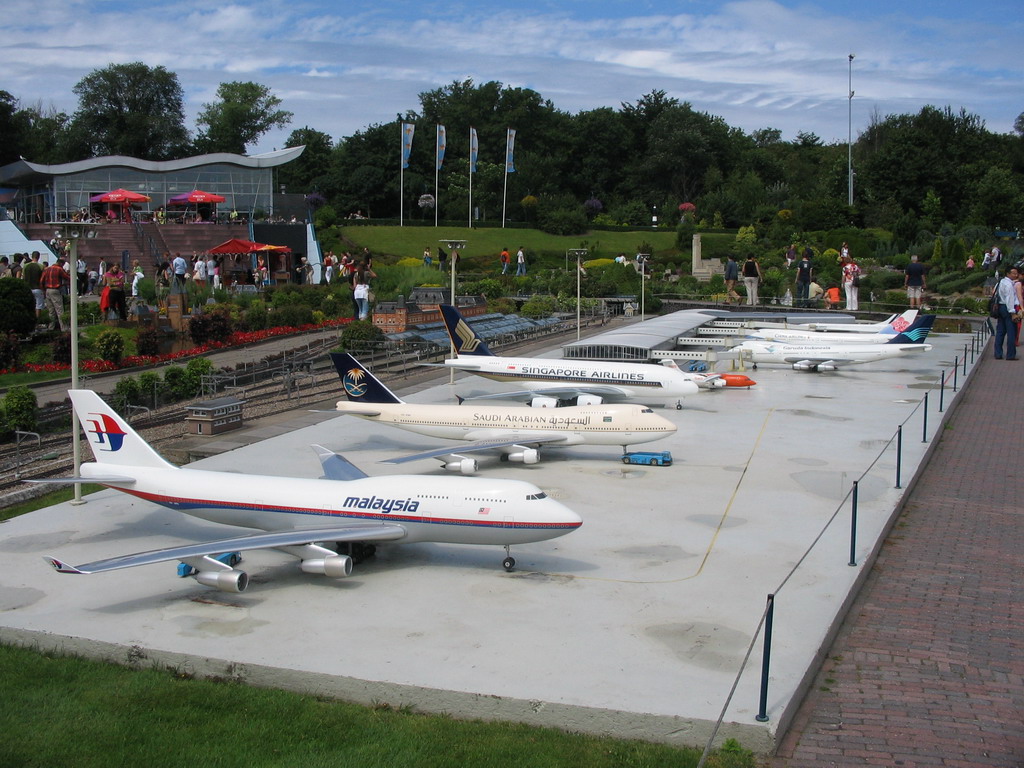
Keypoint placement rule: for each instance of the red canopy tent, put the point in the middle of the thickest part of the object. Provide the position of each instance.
(194, 197)
(120, 196)
(236, 247)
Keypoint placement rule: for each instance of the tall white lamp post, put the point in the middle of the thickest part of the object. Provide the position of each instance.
(641, 261)
(454, 246)
(74, 231)
(849, 139)
(578, 253)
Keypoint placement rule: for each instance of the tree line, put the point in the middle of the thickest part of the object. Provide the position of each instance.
(605, 166)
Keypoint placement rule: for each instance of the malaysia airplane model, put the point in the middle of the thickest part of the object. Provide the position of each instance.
(917, 331)
(809, 356)
(315, 520)
(515, 431)
(587, 382)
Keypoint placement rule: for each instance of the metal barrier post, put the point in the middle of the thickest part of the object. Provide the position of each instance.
(899, 453)
(762, 713)
(853, 527)
(956, 371)
(942, 389)
(924, 426)
(965, 361)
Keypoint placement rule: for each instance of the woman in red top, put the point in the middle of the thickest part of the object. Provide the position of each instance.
(114, 279)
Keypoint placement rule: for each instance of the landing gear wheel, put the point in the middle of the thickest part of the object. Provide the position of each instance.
(508, 563)
(679, 406)
(755, 368)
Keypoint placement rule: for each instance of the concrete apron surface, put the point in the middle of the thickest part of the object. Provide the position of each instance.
(636, 625)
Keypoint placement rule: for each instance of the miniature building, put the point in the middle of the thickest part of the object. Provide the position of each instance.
(422, 307)
(215, 416)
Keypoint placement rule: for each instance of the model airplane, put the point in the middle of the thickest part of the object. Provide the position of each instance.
(311, 519)
(917, 331)
(515, 431)
(809, 356)
(894, 324)
(549, 382)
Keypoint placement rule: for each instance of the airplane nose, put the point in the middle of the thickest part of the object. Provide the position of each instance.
(566, 516)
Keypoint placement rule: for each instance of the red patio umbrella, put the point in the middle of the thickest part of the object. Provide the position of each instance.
(237, 245)
(196, 196)
(120, 196)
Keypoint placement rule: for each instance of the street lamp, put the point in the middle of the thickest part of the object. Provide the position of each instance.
(641, 261)
(453, 251)
(849, 139)
(578, 253)
(73, 231)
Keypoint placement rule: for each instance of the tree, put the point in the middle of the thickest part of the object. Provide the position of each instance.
(305, 173)
(133, 110)
(245, 112)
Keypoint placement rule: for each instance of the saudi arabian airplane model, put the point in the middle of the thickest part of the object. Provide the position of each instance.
(515, 431)
(916, 331)
(549, 382)
(314, 520)
(828, 356)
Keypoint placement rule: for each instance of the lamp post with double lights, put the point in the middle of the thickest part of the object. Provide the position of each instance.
(578, 254)
(73, 232)
(454, 246)
(849, 138)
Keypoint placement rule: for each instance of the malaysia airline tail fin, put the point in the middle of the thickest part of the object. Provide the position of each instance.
(465, 340)
(359, 384)
(916, 333)
(112, 440)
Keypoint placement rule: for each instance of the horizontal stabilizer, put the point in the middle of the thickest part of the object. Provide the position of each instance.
(99, 479)
(374, 532)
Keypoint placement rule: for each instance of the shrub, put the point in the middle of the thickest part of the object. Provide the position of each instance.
(110, 345)
(209, 326)
(195, 370)
(62, 348)
(539, 307)
(564, 222)
(10, 351)
(256, 316)
(175, 383)
(147, 342)
(360, 335)
(17, 308)
(126, 392)
(151, 386)
(20, 408)
(292, 315)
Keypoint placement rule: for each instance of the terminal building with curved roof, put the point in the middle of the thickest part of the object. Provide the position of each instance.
(36, 192)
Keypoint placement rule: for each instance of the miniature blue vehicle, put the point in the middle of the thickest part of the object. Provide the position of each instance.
(228, 558)
(653, 458)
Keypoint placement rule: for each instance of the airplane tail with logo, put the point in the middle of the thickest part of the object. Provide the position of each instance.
(465, 340)
(112, 440)
(916, 333)
(901, 323)
(359, 384)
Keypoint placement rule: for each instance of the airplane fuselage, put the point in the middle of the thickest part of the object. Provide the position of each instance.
(635, 380)
(604, 424)
(436, 509)
(842, 354)
(819, 338)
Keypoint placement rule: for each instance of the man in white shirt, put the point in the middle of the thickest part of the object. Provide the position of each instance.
(1006, 328)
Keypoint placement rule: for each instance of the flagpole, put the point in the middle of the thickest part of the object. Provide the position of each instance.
(504, 197)
(401, 176)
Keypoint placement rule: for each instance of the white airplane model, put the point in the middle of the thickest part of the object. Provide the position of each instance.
(809, 356)
(587, 382)
(307, 518)
(516, 431)
(917, 331)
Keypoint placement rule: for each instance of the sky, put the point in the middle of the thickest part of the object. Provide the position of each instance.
(341, 66)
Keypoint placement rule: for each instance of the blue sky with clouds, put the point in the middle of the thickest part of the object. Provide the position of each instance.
(341, 66)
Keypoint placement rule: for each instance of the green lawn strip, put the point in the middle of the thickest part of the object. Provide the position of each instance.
(62, 494)
(61, 710)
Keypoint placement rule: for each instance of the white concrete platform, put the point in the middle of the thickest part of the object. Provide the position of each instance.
(636, 625)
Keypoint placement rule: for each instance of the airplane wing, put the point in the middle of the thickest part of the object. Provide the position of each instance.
(604, 391)
(481, 445)
(350, 532)
(98, 479)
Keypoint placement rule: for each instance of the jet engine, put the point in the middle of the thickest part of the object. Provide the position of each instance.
(826, 366)
(589, 400)
(525, 456)
(335, 567)
(543, 401)
(465, 466)
(229, 580)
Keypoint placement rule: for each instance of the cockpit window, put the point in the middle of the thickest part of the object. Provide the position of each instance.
(540, 495)
(646, 410)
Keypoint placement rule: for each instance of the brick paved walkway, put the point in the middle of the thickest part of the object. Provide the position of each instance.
(928, 669)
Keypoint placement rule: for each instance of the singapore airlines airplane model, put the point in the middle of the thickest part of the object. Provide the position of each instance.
(314, 520)
(585, 381)
(828, 356)
(916, 331)
(516, 431)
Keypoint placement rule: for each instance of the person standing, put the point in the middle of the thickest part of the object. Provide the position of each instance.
(180, 269)
(732, 274)
(32, 272)
(504, 259)
(1006, 329)
(442, 258)
(851, 281)
(114, 280)
(52, 281)
(751, 277)
(914, 281)
(82, 274)
(520, 262)
(428, 260)
(804, 276)
(212, 270)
